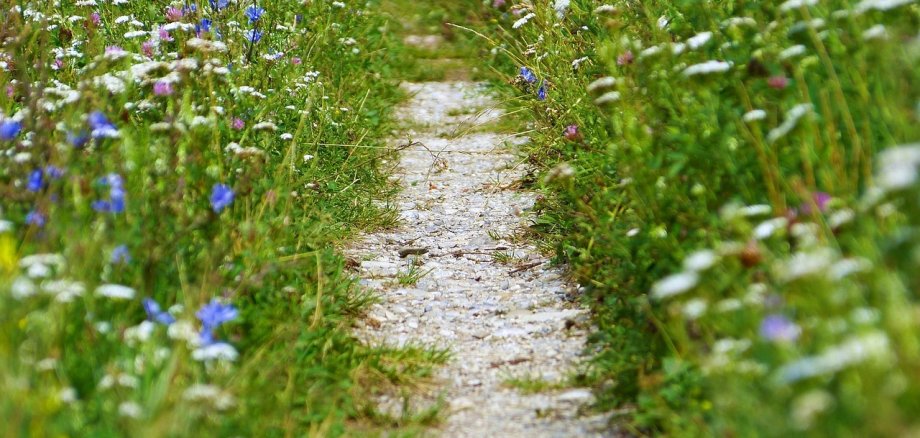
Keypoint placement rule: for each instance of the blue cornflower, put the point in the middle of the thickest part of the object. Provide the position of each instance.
(190, 9)
(121, 255)
(212, 315)
(35, 218)
(253, 35)
(254, 13)
(528, 75)
(100, 125)
(779, 328)
(9, 129)
(204, 26)
(155, 314)
(221, 197)
(36, 180)
(116, 201)
(78, 140)
(219, 4)
(541, 92)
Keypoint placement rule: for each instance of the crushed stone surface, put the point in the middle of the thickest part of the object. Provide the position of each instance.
(494, 301)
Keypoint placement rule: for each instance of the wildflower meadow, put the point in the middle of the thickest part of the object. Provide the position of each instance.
(734, 186)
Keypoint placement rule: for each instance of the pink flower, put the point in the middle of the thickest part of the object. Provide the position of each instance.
(498, 3)
(173, 13)
(296, 61)
(238, 123)
(95, 19)
(571, 133)
(10, 90)
(58, 63)
(162, 88)
(164, 35)
(147, 48)
(778, 82)
(625, 58)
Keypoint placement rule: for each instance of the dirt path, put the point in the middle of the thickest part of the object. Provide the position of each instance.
(493, 301)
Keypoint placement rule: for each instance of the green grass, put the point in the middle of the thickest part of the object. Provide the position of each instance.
(650, 186)
(304, 163)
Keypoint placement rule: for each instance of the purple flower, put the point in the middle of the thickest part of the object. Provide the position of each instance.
(238, 123)
(254, 13)
(541, 92)
(35, 218)
(9, 129)
(571, 133)
(528, 75)
(779, 328)
(221, 197)
(162, 88)
(35, 180)
(820, 199)
(155, 314)
(174, 14)
(121, 255)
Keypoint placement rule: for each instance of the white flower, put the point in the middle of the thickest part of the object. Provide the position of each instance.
(877, 32)
(139, 333)
(808, 406)
(560, 6)
(754, 115)
(675, 284)
(803, 264)
(792, 119)
(608, 97)
(897, 166)
(286, 136)
(694, 308)
(216, 351)
(64, 291)
(115, 291)
(183, 330)
(852, 351)
(523, 20)
(209, 393)
(766, 228)
(845, 267)
(130, 410)
(602, 83)
(880, 5)
(700, 260)
(707, 68)
(791, 52)
(699, 40)
(796, 4)
(22, 287)
(67, 395)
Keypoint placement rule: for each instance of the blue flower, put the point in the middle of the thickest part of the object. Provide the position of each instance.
(35, 180)
(204, 26)
(779, 328)
(155, 314)
(253, 35)
(54, 172)
(190, 9)
(121, 255)
(221, 197)
(9, 129)
(101, 126)
(528, 75)
(116, 201)
(35, 218)
(212, 315)
(254, 13)
(219, 4)
(78, 140)
(541, 93)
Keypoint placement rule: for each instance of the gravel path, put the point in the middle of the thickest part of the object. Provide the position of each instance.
(491, 299)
